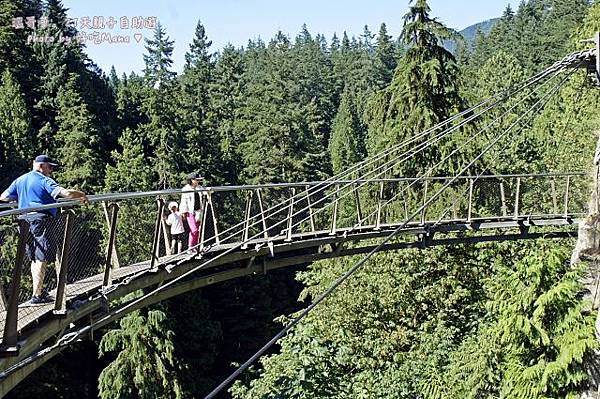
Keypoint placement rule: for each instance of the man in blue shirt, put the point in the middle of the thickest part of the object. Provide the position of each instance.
(32, 190)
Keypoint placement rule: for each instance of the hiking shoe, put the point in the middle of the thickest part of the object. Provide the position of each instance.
(41, 299)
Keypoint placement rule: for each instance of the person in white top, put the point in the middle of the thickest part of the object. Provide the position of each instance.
(190, 207)
(177, 229)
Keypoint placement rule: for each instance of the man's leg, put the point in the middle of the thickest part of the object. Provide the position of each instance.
(38, 271)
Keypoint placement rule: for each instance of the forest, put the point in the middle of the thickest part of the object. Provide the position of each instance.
(491, 320)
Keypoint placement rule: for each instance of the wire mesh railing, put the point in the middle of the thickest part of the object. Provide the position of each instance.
(91, 246)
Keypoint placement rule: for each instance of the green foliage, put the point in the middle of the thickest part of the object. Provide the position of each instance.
(164, 139)
(537, 335)
(17, 143)
(467, 322)
(282, 122)
(423, 91)
(131, 174)
(158, 59)
(226, 99)
(145, 366)
(347, 138)
(77, 140)
(201, 146)
(463, 322)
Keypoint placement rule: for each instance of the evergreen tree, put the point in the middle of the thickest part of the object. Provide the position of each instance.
(77, 140)
(130, 95)
(17, 143)
(145, 366)
(164, 139)
(366, 41)
(385, 60)
(202, 144)
(130, 173)
(226, 99)
(158, 58)
(346, 146)
(424, 90)
(282, 142)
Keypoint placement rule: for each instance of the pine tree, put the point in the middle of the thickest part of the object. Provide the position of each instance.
(77, 140)
(283, 141)
(385, 58)
(202, 144)
(226, 99)
(424, 89)
(346, 146)
(113, 79)
(59, 57)
(131, 173)
(145, 366)
(17, 143)
(165, 140)
(366, 41)
(158, 58)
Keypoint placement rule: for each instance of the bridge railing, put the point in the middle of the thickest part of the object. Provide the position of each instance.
(119, 235)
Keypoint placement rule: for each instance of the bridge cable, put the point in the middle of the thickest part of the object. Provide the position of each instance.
(501, 96)
(132, 305)
(68, 338)
(421, 146)
(344, 277)
(447, 209)
(458, 148)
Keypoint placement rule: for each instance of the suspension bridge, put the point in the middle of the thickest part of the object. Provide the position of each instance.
(119, 243)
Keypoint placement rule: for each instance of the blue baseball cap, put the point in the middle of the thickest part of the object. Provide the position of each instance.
(45, 159)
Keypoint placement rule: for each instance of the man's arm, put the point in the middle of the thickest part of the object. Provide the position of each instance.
(73, 194)
(10, 194)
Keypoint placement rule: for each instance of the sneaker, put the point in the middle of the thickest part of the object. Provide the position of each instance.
(41, 299)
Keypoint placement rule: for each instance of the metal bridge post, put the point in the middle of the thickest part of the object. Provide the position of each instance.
(517, 197)
(424, 206)
(566, 205)
(358, 207)
(310, 211)
(214, 218)
(10, 338)
(247, 211)
(335, 211)
(455, 204)
(379, 205)
(207, 203)
(470, 208)
(160, 203)
(290, 218)
(262, 214)
(554, 201)
(60, 307)
(115, 255)
(112, 234)
(503, 206)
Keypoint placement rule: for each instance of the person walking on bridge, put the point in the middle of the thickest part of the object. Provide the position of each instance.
(189, 206)
(32, 190)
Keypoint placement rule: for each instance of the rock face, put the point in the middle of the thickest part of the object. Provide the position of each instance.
(588, 239)
(588, 249)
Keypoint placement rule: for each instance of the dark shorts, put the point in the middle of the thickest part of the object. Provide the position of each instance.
(178, 237)
(43, 236)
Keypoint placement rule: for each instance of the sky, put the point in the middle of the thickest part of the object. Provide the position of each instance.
(236, 21)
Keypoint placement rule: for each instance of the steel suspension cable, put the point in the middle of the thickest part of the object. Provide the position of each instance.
(337, 283)
(424, 176)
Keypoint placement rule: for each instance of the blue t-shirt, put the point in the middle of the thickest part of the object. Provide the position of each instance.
(34, 189)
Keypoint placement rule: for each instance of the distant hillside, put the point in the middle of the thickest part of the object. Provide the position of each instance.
(470, 33)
